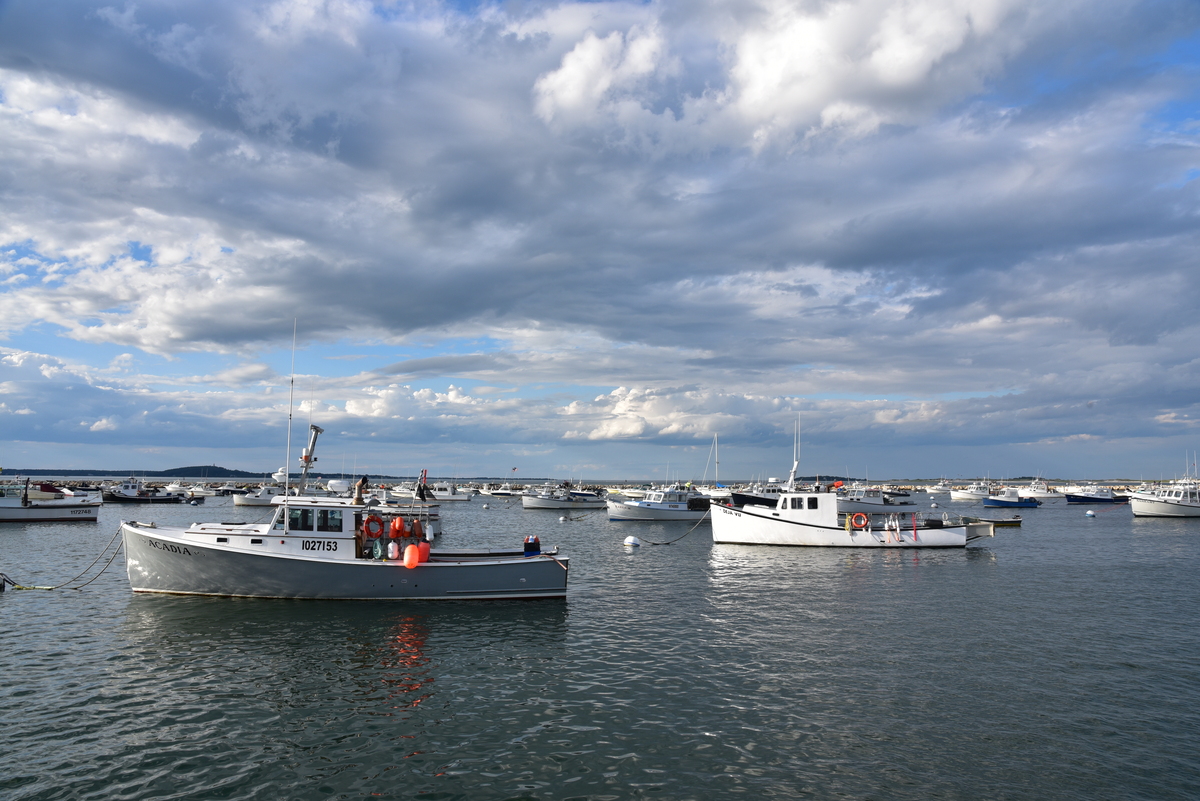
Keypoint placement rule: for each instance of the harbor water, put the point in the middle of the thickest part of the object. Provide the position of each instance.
(1060, 659)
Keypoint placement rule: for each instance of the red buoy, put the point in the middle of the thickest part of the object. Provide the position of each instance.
(412, 556)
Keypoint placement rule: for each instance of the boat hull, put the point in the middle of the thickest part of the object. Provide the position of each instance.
(50, 512)
(116, 497)
(759, 526)
(1072, 498)
(1001, 503)
(1160, 507)
(535, 502)
(636, 511)
(161, 562)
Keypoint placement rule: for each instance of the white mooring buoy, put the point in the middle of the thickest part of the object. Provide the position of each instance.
(1089, 513)
(933, 506)
(632, 542)
(485, 506)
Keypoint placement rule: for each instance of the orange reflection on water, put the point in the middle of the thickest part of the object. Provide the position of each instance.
(405, 665)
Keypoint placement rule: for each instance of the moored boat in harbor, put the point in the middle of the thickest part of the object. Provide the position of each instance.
(811, 519)
(134, 490)
(974, 492)
(332, 548)
(872, 501)
(1177, 499)
(1094, 493)
(1010, 497)
(670, 503)
(45, 503)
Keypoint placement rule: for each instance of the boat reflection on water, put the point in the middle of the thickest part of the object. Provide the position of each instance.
(362, 657)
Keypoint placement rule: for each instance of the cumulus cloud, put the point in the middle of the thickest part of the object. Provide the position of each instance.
(911, 223)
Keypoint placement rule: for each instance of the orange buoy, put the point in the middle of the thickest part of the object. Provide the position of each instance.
(397, 528)
(423, 550)
(373, 526)
(412, 556)
(859, 520)
(417, 530)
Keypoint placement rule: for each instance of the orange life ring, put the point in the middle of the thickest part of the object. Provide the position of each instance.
(859, 520)
(373, 526)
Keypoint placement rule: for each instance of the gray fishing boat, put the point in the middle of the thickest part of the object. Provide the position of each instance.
(334, 548)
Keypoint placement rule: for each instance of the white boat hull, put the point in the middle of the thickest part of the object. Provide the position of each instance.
(1162, 507)
(538, 502)
(764, 526)
(644, 512)
(50, 511)
(185, 562)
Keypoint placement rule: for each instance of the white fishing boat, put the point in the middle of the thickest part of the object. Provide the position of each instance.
(974, 492)
(1176, 499)
(671, 503)
(265, 495)
(134, 490)
(940, 488)
(812, 519)
(872, 501)
(505, 490)
(1039, 489)
(334, 548)
(45, 503)
(1010, 497)
(562, 496)
(442, 491)
(758, 493)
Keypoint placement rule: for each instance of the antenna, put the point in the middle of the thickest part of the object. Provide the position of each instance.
(287, 464)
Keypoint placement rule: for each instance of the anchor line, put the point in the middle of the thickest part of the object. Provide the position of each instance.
(689, 531)
(99, 556)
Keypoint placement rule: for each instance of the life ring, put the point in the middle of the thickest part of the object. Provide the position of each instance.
(859, 520)
(373, 526)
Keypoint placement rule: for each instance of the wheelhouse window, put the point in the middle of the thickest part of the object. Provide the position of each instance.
(300, 520)
(812, 502)
(329, 520)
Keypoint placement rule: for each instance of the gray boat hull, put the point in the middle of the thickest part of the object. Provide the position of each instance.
(158, 562)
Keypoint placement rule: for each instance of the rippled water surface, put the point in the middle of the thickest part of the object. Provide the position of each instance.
(1060, 660)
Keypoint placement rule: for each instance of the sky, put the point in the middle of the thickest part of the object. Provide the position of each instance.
(940, 238)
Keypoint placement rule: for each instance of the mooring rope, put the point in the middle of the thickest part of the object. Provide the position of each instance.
(681, 536)
(16, 586)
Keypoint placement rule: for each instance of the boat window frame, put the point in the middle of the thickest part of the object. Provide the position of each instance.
(325, 520)
(300, 513)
